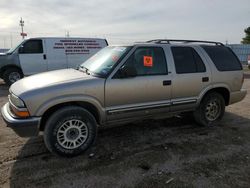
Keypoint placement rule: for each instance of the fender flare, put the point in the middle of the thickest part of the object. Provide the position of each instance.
(6, 67)
(209, 88)
(70, 99)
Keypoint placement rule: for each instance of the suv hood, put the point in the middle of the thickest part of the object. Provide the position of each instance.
(47, 79)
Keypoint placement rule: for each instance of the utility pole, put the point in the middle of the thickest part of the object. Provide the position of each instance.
(22, 25)
(4, 41)
(67, 34)
(11, 40)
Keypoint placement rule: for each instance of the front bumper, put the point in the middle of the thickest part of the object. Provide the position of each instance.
(237, 96)
(23, 127)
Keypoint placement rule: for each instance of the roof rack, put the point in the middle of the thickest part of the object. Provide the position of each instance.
(168, 41)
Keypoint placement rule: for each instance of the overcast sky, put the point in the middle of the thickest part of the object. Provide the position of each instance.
(122, 21)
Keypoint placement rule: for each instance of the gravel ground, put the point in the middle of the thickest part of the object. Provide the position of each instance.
(172, 152)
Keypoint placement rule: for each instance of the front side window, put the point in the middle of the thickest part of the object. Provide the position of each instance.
(32, 47)
(148, 61)
(187, 60)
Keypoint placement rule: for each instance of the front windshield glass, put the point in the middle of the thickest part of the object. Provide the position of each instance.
(10, 51)
(104, 60)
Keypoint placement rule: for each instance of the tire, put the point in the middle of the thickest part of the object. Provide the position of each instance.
(11, 75)
(210, 110)
(70, 131)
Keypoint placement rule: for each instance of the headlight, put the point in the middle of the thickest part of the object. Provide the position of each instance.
(17, 107)
(16, 101)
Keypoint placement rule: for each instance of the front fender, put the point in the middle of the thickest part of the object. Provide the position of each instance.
(70, 98)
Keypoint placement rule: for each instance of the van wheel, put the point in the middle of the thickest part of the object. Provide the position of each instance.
(210, 110)
(70, 131)
(11, 75)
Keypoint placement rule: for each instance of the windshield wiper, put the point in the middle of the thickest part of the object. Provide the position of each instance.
(84, 69)
(88, 72)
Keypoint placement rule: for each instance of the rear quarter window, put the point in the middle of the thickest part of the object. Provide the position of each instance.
(223, 58)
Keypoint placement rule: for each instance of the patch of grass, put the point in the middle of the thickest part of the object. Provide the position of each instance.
(246, 69)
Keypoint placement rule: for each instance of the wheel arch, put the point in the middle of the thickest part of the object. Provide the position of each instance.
(223, 90)
(6, 67)
(86, 105)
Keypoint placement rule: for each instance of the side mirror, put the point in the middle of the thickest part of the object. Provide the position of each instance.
(21, 50)
(128, 72)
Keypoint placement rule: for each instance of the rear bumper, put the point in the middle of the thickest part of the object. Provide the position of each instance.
(23, 127)
(237, 96)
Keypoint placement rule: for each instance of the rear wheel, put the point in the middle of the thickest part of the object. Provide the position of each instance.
(12, 75)
(210, 110)
(70, 131)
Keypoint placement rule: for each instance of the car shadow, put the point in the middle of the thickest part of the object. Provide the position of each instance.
(4, 89)
(36, 167)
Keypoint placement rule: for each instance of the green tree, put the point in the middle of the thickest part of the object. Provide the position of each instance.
(246, 39)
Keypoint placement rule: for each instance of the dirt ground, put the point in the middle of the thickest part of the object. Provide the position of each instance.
(172, 152)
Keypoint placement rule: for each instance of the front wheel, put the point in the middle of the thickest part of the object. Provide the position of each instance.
(12, 75)
(210, 110)
(70, 131)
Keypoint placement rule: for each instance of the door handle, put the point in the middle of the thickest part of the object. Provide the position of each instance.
(167, 82)
(205, 79)
(44, 56)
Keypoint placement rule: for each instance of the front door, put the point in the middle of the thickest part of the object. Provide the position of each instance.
(32, 57)
(147, 93)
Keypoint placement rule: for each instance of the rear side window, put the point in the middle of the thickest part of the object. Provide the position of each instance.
(187, 60)
(223, 58)
(32, 47)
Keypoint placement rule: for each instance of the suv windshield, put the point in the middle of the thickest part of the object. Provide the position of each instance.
(103, 61)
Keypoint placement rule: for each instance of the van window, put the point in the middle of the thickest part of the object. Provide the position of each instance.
(148, 61)
(223, 58)
(32, 47)
(187, 60)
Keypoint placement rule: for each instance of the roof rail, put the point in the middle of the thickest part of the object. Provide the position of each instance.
(168, 41)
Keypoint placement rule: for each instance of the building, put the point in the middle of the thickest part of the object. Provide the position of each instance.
(241, 50)
(3, 50)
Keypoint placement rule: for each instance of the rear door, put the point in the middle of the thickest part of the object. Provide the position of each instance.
(191, 76)
(146, 94)
(32, 57)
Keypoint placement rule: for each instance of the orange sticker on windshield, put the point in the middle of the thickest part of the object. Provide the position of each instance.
(147, 61)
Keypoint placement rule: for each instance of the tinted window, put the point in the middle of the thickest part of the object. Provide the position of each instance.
(200, 67)
(148, 61)
(223, 58)
(32, 47)
(187, 60)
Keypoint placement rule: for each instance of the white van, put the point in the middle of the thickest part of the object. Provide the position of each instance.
(37, 55)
